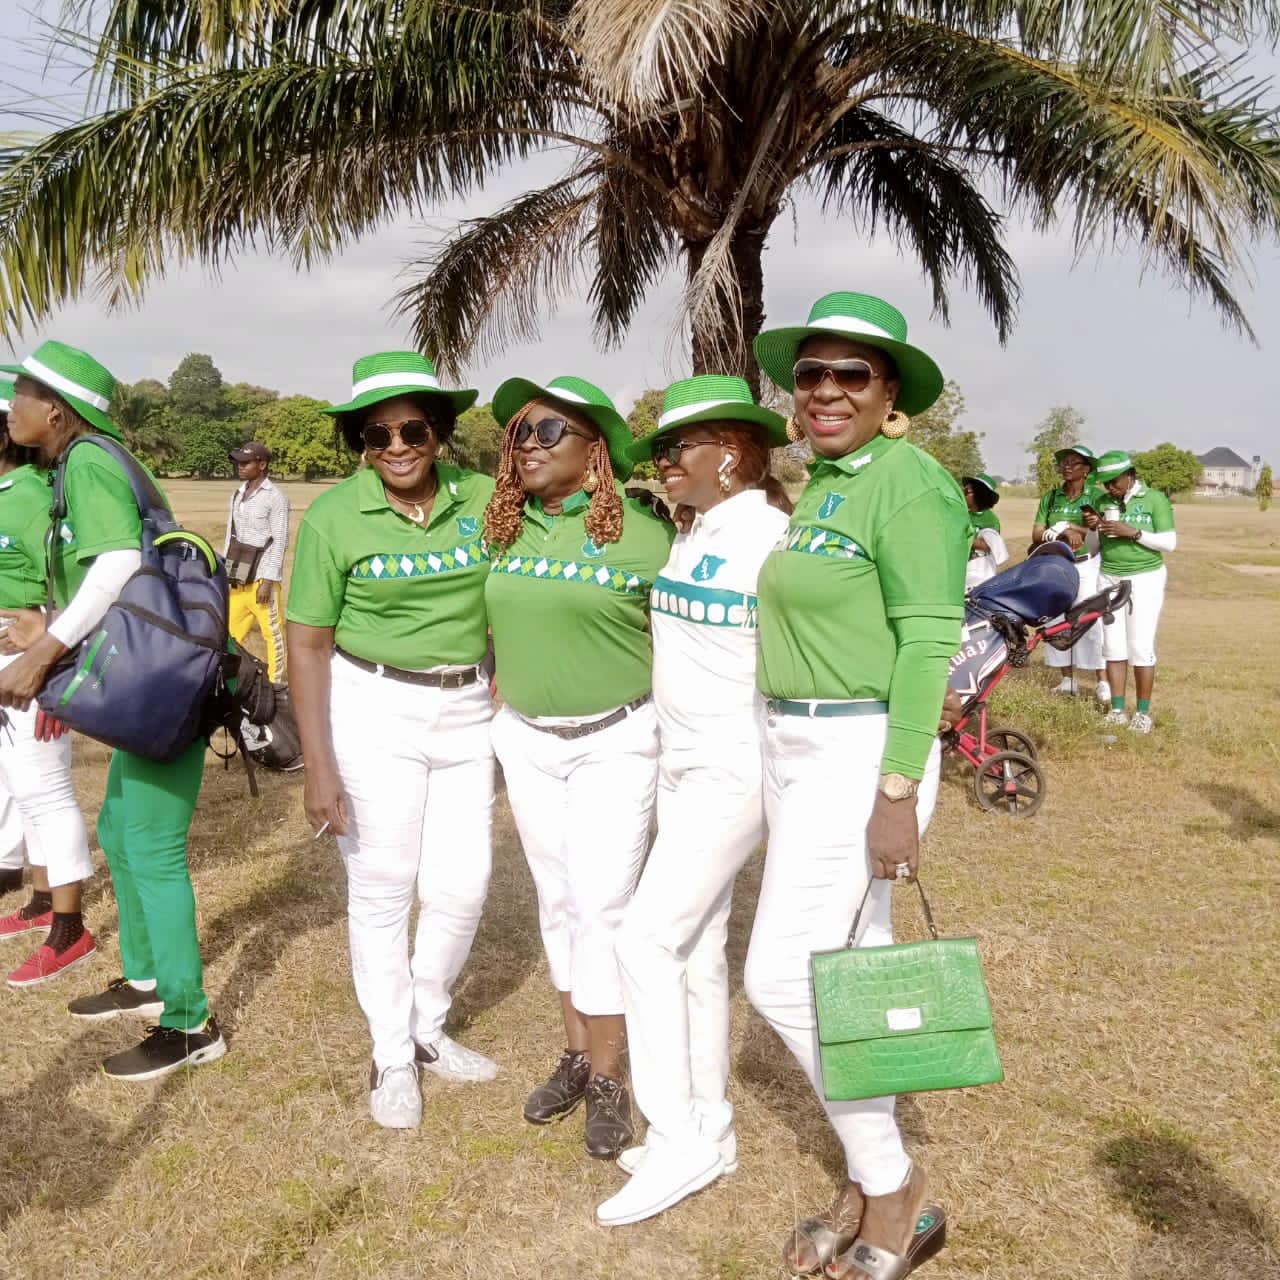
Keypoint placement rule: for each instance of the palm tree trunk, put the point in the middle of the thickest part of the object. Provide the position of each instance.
(709, 350)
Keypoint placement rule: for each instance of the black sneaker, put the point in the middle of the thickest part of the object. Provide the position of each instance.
(563, 1091)
(164, 1050)
(609, 1129)
(120, 997)
(10, 879)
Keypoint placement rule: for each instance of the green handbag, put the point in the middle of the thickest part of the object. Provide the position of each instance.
(904, 1018)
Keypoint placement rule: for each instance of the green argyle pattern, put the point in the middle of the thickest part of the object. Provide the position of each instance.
(600, 575)
(815, 541)
(395, 566)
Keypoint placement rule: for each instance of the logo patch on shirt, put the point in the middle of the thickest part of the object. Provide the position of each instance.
(589, 548)
(830, 505)
(706, 568)
(468, 526)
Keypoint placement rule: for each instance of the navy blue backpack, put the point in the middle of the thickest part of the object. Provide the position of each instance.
(143, 678)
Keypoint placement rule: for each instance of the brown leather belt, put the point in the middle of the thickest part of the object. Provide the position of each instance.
(571, 731)
(427, 679)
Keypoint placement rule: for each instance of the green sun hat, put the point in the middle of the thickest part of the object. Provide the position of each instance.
(387, 374)
(1112, 464)
(984, 481)
(87, 386)
(711, 397)
(579, 394)
(7, 392)
(860, 318)
(1082, 449)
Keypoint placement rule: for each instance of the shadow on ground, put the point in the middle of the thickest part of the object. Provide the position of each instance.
(1248, 816)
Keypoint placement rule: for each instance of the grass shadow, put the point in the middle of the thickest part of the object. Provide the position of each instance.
(1202, 1225)
(1248, 816)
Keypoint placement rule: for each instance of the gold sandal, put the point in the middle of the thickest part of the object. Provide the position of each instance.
(927, 1237)
(817, 1241)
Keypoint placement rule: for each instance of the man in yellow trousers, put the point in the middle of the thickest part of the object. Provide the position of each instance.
(257, 536)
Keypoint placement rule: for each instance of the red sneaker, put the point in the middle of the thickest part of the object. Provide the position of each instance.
(14, 925)
(47, 964)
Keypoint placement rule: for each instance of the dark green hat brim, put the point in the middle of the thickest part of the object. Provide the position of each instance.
(979, 483)
(773, 424)
(515, 393)
(1062, 453)
(92, 415)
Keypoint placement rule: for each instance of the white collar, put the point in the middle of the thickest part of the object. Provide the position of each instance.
(264, 483)
(1136, 489)
(742, 506)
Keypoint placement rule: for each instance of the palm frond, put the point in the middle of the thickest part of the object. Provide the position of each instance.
(485, 287)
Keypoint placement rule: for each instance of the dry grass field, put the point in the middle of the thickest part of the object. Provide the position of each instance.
(1130, 934)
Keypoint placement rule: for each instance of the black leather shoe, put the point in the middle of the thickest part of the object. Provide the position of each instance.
(608, 1130)
(563, 1091)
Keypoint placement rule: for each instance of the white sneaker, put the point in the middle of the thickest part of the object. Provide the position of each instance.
(1141, 723)
(1067, 686)
(395, 1101)
(453, 1061)
(668, 1173)
(1115, 716)
(631, 1159)
(1103, 693)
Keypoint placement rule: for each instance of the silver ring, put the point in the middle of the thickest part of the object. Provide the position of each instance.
(903, 870)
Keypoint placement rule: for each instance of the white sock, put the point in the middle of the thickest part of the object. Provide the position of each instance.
(143, 984)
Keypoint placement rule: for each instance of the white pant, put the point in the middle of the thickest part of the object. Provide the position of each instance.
(820, 780)
(13, 843)
(417, 768)
(671, 949)
(583, 808)
(38, 777)
(1132, 636)
(1086, 653)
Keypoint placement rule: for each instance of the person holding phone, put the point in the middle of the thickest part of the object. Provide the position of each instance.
(387, 636)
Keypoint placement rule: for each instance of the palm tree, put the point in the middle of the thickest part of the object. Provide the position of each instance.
(300, 125)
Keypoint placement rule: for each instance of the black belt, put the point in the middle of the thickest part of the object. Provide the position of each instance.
(429, 679)
(571, 731)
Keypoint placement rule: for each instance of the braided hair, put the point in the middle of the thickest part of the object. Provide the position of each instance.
(504, 515)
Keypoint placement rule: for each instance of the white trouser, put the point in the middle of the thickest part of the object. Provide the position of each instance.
(38, 777)
(13, 843)
(671, 949)
(1132, 636)
(583, 808)
(1086, 653)
(417, 768)
(820, 783)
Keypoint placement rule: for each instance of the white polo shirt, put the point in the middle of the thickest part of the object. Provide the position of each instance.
(704, 621)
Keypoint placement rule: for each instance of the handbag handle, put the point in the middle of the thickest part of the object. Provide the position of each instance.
(924, 902)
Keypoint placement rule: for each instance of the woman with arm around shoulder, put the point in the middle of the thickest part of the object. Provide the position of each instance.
(61, 395)
(860, 613)
(387, 632)
(568, 599)
(712, 453)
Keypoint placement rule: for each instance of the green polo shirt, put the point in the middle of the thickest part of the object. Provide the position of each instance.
(24, 521)
(394, 591)
(984, 520)
(102, 515)
(1055, 507)
(1145, 509)
(570, 619)
(878, 535)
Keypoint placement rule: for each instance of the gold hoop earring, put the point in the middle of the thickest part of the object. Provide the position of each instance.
(794, 431)
(895, 425)
(591, 483)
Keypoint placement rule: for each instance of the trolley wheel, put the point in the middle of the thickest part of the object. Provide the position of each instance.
(1011, 783)
(1012, 740)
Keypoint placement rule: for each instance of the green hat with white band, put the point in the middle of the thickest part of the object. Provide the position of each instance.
(387, 374)
(578, 394)
(7, 392)
(860, 318)
(76, 377)
(711, 397)
(1112, 464)
(984, 481)
(1082, 449)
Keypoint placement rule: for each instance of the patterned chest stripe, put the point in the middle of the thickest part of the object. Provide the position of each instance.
(600, 575)
(823, 542)
(393, 566)
(708, 605)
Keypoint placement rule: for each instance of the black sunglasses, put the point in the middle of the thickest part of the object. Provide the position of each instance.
(849, 375)
(416, 433)
(548, 433)
(670, 450)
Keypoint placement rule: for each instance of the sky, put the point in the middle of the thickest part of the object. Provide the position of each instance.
(1129, 349)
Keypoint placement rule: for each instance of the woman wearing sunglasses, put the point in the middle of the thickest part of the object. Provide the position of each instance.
(387, 633)
(860, 612)
(712, 452)
(568, 599)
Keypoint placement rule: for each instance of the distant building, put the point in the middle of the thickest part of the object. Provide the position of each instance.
(1225, 471)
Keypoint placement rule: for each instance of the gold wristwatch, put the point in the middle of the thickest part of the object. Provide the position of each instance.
(897, 786)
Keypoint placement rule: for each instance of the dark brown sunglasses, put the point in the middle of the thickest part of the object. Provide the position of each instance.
(849, 375)
(416, 433)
